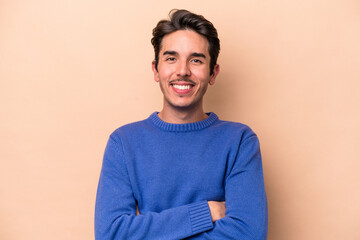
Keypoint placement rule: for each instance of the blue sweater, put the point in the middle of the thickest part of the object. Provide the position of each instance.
(170, 171)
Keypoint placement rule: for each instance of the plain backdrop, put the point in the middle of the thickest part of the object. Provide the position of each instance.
(71, 72)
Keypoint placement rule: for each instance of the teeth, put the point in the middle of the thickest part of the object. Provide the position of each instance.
(182, 87)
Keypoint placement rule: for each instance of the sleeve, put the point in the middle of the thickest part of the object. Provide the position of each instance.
(115, 208)
(245, 199)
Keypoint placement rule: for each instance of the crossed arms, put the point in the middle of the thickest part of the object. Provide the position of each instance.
(244, 217)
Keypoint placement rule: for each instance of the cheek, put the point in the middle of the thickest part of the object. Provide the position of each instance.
(166, 70)
(202, 72)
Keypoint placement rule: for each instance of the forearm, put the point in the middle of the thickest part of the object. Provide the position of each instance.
(236, 228)
(175, 223)
(238, 225)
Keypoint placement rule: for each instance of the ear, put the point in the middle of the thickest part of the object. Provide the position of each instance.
(156, 73)
(216, 71)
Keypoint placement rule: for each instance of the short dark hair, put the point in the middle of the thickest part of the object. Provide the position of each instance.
(183, 20)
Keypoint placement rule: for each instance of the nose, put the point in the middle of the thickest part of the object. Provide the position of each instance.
(183, 69)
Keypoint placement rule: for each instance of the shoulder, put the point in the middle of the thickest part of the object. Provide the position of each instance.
(235, 129)
(130, 129)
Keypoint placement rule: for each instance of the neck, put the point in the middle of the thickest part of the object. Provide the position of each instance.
(181, 115)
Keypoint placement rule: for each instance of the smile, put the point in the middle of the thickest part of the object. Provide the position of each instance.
(182, 87)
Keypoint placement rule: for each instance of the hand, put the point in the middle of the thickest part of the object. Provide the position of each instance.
(137, 210)
(217, 210)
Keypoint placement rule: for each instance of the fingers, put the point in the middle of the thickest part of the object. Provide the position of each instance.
(217, 210)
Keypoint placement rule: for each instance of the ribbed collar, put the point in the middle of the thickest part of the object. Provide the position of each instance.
(186, 127)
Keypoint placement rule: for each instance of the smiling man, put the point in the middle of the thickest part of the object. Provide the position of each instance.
(183, 72)
(182, 173)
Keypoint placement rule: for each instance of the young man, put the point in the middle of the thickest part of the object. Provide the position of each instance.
(182, 173)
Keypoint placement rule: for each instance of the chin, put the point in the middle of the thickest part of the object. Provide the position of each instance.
(183, 105)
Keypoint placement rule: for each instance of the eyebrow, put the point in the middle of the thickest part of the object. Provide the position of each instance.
(195, 54)
(169, 53)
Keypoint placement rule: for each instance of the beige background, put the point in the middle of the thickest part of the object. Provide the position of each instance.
(73, 71)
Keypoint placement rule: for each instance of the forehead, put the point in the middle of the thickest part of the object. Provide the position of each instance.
(185, 42)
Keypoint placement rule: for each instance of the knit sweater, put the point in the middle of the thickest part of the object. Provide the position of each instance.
(170, 171)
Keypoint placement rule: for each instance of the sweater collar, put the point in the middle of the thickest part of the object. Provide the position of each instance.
(186, 127)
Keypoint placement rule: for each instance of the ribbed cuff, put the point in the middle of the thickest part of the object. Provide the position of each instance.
(200, 217)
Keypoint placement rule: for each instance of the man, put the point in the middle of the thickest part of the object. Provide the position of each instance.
(182, 173)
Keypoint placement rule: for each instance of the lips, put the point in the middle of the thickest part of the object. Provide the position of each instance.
(182, 86)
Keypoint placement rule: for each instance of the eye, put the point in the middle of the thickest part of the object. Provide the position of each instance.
(198, 61)
(170, 59)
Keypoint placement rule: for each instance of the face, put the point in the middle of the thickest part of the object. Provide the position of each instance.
(184, 69)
